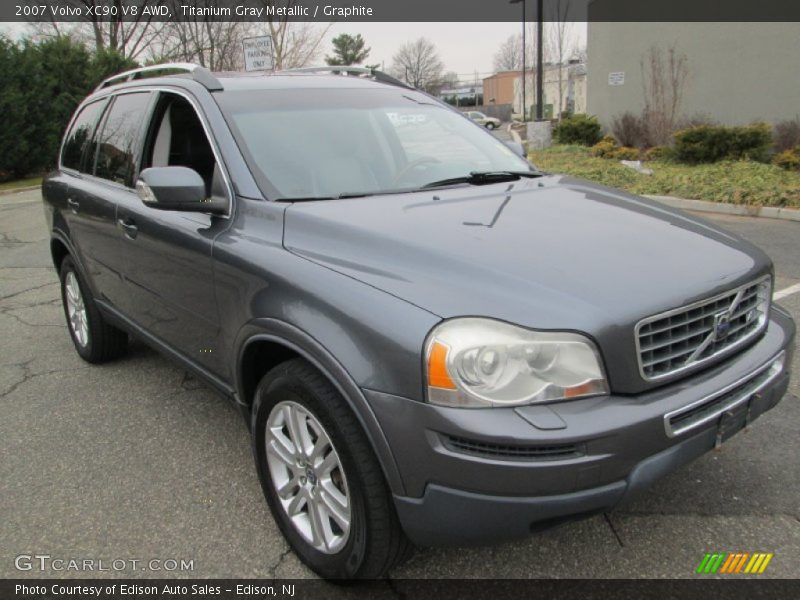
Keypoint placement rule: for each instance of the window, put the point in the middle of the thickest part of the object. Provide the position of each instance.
(77, 140)
(349, 141)
(117, 143)
(177, 139)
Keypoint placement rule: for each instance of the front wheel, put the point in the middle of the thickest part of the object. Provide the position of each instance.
(320, 477)
(490, 126)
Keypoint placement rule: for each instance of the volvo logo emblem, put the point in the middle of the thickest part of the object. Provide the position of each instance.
(722, 325)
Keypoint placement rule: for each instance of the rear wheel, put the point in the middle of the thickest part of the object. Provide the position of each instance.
(95, 340)
(320, 477)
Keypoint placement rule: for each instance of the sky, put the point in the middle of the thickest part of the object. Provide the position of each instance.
(463, 47)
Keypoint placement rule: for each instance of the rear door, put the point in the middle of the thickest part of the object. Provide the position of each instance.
(109, 181)
(88, 222)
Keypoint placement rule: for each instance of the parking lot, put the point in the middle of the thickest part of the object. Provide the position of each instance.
(137, 460)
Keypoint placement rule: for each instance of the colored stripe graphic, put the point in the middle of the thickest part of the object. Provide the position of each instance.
(734, 562)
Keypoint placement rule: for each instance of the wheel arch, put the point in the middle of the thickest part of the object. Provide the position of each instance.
(264, 343)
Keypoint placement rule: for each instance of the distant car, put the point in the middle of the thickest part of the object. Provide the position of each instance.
(482, 119)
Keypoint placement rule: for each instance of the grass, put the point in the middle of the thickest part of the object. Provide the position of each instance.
(736, 182)
(10, 186)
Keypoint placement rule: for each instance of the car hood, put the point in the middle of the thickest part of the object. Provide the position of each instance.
(546, 253)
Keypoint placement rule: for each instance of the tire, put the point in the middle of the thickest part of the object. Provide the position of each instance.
(373, 541)
(490, 126)
(97, 341)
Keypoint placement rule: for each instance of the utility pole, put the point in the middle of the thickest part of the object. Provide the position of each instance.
(539, 53)
(524, 111)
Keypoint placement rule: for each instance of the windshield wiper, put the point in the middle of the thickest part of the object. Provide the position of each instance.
(483, 177)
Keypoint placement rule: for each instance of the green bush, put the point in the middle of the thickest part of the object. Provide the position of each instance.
(625, 153)
(788, 159)
(658, 153)
(605, 148)
(712, 143)
(578, 129)
(42, 85)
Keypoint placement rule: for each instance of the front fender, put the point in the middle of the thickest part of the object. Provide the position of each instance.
(285, 334)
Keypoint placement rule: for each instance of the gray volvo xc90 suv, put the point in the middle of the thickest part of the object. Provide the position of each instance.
(432, 341)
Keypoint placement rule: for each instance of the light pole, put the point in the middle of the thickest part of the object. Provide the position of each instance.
(524, 112)
(539, 65)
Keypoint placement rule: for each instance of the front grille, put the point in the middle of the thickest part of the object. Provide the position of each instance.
(708, 409)
(687, 337)
(509, 451)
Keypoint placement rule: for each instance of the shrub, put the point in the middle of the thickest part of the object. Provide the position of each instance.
(605, 148)
(578, 129)
(630, 130)
(625, 153)
(788, 159)
(42, 84)
(787, 135)
(709, 143)
(751, 142)
(658, 153)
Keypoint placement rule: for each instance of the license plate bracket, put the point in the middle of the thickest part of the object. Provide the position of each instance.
(732, 421)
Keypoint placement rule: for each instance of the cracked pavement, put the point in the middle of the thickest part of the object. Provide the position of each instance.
(137, 459)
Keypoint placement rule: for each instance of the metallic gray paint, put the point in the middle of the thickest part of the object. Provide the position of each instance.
(355, 286)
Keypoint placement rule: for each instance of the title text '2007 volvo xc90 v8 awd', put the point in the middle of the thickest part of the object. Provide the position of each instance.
(432, 341)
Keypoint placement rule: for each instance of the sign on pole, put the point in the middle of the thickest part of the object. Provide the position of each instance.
(258, 53)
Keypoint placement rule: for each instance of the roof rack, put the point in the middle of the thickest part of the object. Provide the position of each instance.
(365, 72)
(199, 73)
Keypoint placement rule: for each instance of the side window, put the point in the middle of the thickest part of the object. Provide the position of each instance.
(176, 138)
(77, 140)
(116, 144)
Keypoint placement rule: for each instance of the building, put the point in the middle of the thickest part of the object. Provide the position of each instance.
(499, 88)
(570, 78)
(737, 72)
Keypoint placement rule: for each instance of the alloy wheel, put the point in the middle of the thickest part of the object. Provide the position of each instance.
(76, 310)
(308, 477)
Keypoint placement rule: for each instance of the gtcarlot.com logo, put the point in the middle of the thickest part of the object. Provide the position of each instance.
(732, 563)
(46, 562)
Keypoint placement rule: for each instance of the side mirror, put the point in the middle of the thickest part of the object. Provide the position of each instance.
(176, 188)
(517, 149)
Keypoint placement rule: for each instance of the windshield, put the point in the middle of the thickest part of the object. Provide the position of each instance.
(326, 143)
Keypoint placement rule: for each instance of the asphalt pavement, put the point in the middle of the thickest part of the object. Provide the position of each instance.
(136, 460)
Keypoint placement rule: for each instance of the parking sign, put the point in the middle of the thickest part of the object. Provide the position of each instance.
(257, 53)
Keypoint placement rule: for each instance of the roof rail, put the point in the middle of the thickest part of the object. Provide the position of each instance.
(198, 73)
(354, 71)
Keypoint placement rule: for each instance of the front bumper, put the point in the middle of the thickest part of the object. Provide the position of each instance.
(473, 476)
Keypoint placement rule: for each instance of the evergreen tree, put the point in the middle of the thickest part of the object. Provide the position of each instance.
(348, 50)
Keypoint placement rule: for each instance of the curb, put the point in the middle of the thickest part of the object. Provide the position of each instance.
(740, 210)
(18, 190)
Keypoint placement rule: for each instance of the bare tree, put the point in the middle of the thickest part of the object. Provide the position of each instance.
(294, 43)
(663, 82)
(132, 37)
(509, 55)
(217, 45)
(449, 80)
(418, 64)
(559, 43)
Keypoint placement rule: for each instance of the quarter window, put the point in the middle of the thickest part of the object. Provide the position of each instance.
(72, 156)
(117, 143)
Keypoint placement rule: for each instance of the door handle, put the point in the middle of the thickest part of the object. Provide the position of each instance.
(74, 205)
(129, 227)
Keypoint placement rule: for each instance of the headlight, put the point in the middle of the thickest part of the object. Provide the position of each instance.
(476, 363)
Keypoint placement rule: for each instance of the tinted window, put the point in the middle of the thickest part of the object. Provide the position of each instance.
(347, 141)
(78, 137)
(117, 142)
